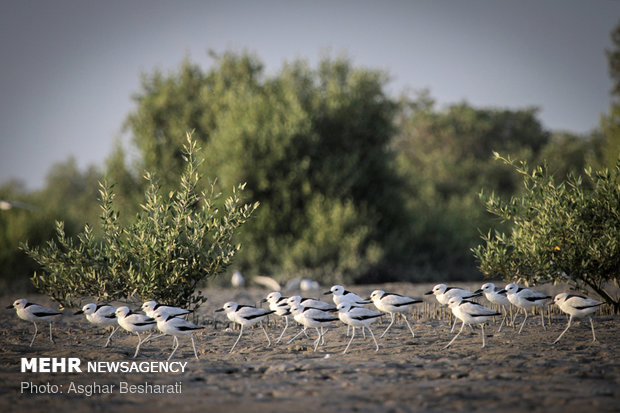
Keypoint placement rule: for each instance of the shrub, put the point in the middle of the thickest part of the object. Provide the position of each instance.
(176, 241)
(567, 232)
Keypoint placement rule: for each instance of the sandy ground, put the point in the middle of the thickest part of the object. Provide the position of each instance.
(514, 373)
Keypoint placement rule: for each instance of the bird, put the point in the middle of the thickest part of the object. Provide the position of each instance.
(393, 303)
(443, 294)
(174, 326)
(341, 295)
(150, 307)
(280, 306)
(312, 317)
(6, 205)
(246, 316)
(497, 296)
(470, 313)
(311, 303)
(524, 298)
(134, 323)
(357, 317)
(237, 279)
(576, 306)
(34, 312)
(100, 315)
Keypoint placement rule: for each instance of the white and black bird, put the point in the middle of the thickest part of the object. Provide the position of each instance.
(357, 317)
(34, 312)
(246, 316)
(576, 306)
(135, 323)
(470, 313)
(443, 294)
(314, 318)
(496, 295)
(526, 299)
(393, 304)
(340, 295)
(280, 306)
(176, 327)
(100, 315)
(311, 303)
(150, 308)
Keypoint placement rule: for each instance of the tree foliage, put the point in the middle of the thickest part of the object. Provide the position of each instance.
(178, 239)
(312, 145)
(561, 232)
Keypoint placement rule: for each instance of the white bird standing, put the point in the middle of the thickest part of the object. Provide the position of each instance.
(134, 323)
(34, 312)
(357, 317)
(174, 326)
(496, 295)
(443, 294)
(312, 317)
(100, 315)
(524, 298)
(237, 279)
(340, 295)
(576, 306)
(393, 303)
(470, 313)
(246, 316)
(280, 306)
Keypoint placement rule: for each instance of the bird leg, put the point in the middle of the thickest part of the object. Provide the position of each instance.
(352, 337)
(457, 334)
(234, 345)
(565, 330)
(408, 325)
(522, 324)
(285, 327)
(592, 325)
(110, 338)
(388, 327)
(266, 335)
(36, 330)
(51, 338)
(176, 347)
(374, 339)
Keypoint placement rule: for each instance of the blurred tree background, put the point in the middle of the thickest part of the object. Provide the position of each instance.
(354, 185)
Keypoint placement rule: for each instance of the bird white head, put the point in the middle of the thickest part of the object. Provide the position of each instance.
(344, 307)
(336, 290)
(377, 294)
(455, 301)
(560, 298)
(19, 304)
(229, 307)
(122, 311)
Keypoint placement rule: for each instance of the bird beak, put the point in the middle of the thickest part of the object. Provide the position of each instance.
(428, 293)
(219, 309)
(478, 291)
(10, 306)
(78, 312)
(502, 291)
(264, 300)
(327, 292)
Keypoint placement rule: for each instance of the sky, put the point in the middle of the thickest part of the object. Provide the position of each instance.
(69, 68)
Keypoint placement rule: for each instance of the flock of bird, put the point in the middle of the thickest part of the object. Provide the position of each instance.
(348, 308)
